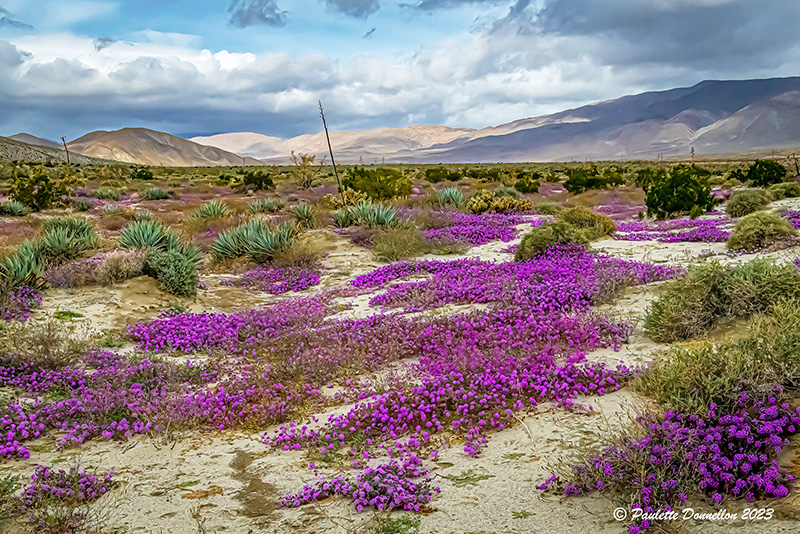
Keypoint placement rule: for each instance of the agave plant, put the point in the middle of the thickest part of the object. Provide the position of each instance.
(156, 193)
(142, 214)
(145, 234)
(254, 238)
(372, 215)
(112, 210)
(13, 208)
(213, 209)
(25, 267)
(228, 245)
(65, 238)
(342, 218)
(450, 195)
(266, 205)
(304, 213)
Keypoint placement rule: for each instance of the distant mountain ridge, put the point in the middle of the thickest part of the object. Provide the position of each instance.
(713, 117)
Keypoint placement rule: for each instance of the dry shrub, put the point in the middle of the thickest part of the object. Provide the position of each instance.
(45, 343)
(113, 223)
(305, 254)
(120, 265)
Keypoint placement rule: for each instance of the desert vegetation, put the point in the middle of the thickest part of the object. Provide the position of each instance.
(360, 356)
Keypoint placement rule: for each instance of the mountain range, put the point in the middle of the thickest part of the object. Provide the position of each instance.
(712, 117)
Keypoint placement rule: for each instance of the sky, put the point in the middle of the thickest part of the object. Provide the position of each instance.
(202, 67)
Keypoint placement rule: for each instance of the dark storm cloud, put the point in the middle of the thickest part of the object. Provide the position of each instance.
(7, 20)
(679, 32)
(359, 9)
(245, 13)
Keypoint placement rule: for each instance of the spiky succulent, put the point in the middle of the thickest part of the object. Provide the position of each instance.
(213, 209)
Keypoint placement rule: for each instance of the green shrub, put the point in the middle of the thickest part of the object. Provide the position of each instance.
(379, 183)
(175, 273)
(266, 205)
(547, 208)
(494, 174)
(593, 224)
(255, 180)
(393, 244)
(141, 173)
(213, 209)
(108, 193)
(691, 379)
(13, 208)
(580, 180)
(442, 174)
(542, 238)
(784, 190)
(39, 187)
(690, 306)
(679, 192)
(82, 205)
(156, 193)
(759, 230)
(503, 190)
(746, 201)
(764, 172)
(528, 183)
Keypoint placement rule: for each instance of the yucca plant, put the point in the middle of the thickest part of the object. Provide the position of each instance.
(142, 214)
(450, 195)
(213, 209)
(64, 238)
(372, 215)
(112, 210)
(304, 213)
(13, 208)
(189, 251)
(156, 193)
(82, 205)
(266, 205)
(254, 238)
(145, 234)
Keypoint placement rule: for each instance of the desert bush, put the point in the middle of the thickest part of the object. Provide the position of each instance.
(679, 192)
(593, 225)
(176, 274)
(39, 187)
(765, 172)
(784, 190)
(351, 198)
(450, 196)
(108, 193)
(121, 265)
(580, 180)
(213, 209)
(487, 202)
(304, 215)
(43, 344)
(442, 174)
(692, 378)
(759, 230)
(547, 208)
(141, 173)
(156, 193)
(13, 208)
(546, 236)
(503, 190)
(82, 205)
(256, 180)
(746, 201)
(142, 214)
(266, 205)
(690, 306)
(495, 174)
(648, 176)
(304, 170)
(305, 254)
(528, 182)
(76, 273)
(379, 183)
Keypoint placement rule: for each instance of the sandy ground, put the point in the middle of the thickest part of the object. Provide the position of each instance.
(192, 483)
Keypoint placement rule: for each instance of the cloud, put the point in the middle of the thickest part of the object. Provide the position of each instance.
(368, 34)
(103, 42)
(359, 9)
(434, 5)
(244, 13)
(7, 20)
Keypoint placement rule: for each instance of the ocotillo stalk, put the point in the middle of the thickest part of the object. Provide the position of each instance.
(64, 140)
(330, 149)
